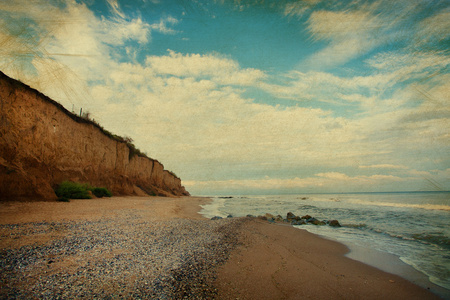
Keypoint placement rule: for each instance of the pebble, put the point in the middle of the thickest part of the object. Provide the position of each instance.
(122, 257)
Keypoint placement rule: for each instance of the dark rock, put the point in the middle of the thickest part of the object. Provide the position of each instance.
(318, 222)
(334, 223)
(216, 218)
(315, 221)
(307, 217)
(279, 218)
(229, 216)
(298, 222)
(268, 216)
(290, 216)
(250, 216)
(262, 218)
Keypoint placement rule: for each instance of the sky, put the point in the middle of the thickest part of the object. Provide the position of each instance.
(252, 97)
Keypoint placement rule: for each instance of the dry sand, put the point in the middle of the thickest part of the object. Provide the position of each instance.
(150, 247)
(92, 209)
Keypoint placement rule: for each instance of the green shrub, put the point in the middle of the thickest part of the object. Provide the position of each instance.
(101, 192)
(73, 190)
(63, 199)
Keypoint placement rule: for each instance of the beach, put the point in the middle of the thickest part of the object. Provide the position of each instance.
(162, 248)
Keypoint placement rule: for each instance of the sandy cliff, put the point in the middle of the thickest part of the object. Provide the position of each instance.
(43, 144)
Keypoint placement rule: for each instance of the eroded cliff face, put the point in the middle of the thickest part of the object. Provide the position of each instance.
(42, 144)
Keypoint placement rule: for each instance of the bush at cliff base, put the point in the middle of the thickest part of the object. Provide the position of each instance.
(72, 190)
(101, 192)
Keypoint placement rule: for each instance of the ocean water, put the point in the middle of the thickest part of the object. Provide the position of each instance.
(412, 226)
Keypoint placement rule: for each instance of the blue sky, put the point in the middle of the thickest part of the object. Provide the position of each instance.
(255, 96)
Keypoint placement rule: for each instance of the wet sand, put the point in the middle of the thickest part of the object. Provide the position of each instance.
(281, 262)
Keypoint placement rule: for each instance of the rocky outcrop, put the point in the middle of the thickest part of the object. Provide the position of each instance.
(290, 219)
(43, 144)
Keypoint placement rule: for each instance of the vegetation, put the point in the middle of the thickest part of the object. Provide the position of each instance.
(63, 199)
(101, 192)
(74, 190)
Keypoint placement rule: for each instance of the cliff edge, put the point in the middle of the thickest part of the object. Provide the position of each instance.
(42, 144)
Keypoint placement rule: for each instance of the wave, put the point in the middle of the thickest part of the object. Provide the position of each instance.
(407, 205)
(307, 206)
(432, 238)
(360, 226)
(437, 238)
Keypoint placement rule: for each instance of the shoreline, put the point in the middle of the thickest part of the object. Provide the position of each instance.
(389, 263)
(393, 264)
(185, 254)
(307, 266)
(382, 261)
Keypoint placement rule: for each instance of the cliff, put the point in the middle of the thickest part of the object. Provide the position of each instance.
(42, 144)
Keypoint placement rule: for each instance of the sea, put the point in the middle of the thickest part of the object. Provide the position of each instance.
(411, 226)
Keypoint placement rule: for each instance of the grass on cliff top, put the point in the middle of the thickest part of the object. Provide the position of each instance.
(74, 190)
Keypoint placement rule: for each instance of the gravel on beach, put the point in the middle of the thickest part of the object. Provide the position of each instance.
(120, 257)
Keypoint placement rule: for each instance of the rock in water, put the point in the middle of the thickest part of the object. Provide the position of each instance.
(334, 223)
(315, 221)
(268, 216)
(298, 222)
(279, 218)
(290, 216)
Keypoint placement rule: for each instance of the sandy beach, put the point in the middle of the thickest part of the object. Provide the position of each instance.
(161, 248)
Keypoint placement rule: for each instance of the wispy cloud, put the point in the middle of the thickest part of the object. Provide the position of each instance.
(350, 34)
(220, 69)
(323, 181)
(115, 8)
(436, 27)
(162, 26)
(384, 166)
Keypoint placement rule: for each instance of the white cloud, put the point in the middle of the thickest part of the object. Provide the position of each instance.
(385, 166)
(162, 25)
(222, 70)
(116, 33)
(338, 26)
(304, 86)
(350, 33)
(406, 66)
(436, 27)
(321, 181)
(115, 8)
